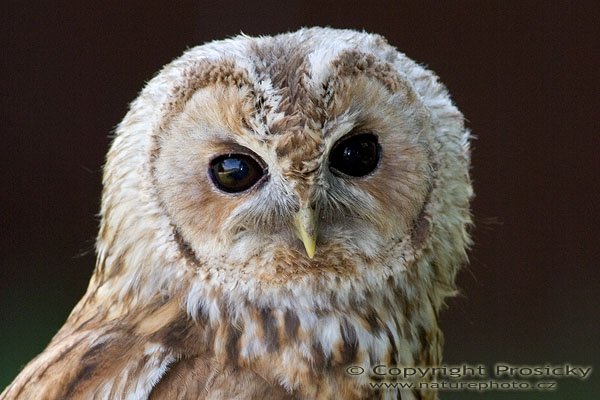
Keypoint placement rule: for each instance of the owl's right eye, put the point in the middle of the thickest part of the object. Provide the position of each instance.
(233, 173)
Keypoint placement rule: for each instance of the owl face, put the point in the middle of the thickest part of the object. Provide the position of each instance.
(279, 161)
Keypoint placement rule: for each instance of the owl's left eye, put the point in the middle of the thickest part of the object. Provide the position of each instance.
(233, 173)
(357, 155)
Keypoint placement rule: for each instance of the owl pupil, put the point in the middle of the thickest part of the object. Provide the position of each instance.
(234, 173)
(234, 168)
(357, 155)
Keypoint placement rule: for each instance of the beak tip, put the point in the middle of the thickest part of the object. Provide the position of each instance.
(306, 232)
(310, 246)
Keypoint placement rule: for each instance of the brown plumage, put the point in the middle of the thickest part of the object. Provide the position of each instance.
(270, 292)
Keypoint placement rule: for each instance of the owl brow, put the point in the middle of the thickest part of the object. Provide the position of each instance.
(230, 147)
(202, 74)
(351, 63)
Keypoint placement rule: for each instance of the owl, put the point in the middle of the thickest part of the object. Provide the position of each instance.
(277, 214)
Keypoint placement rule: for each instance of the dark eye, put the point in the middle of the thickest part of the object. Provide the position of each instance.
(234, 173)
(357, 155)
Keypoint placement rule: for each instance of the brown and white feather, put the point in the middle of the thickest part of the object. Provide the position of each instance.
(199, 294)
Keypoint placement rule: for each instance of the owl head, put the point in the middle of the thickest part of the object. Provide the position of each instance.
(307, 168)
(275, 209)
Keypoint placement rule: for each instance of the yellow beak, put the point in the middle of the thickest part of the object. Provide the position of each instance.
(305, 222)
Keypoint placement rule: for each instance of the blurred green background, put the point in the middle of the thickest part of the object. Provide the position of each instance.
(525, 74)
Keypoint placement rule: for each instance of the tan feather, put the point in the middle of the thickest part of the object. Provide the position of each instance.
(203, 294)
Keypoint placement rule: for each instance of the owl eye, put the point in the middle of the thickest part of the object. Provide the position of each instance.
(233, 173)
(357, 155)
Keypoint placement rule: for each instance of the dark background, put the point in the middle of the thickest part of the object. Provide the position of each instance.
(524, 74)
